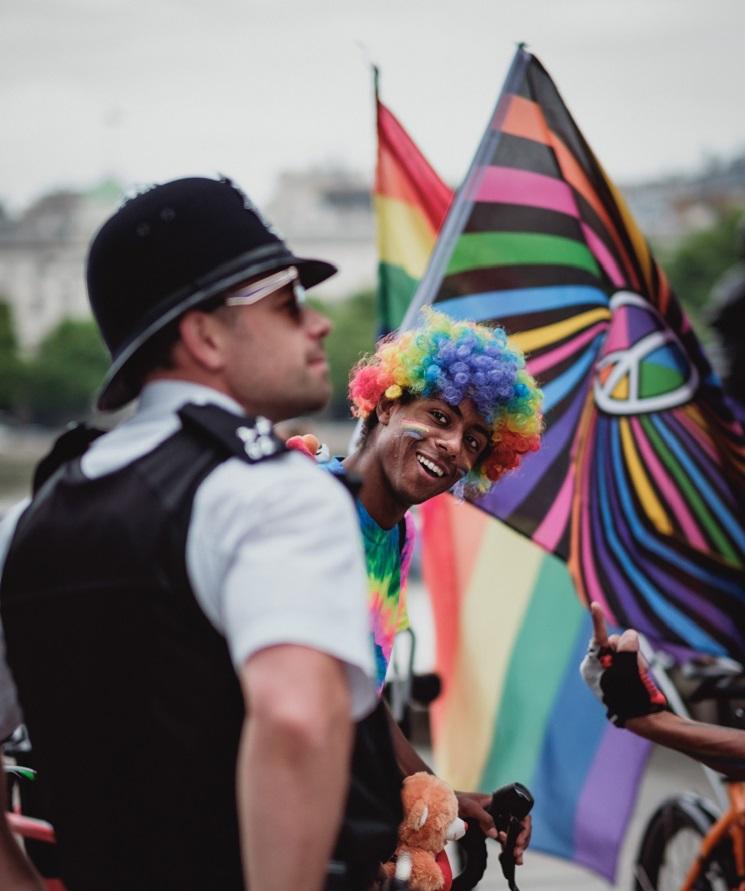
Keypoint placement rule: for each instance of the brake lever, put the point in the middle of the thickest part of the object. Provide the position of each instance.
(508, 807)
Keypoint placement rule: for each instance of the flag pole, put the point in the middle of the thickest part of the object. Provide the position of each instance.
(455, 219)
(382, 298)
(356, 438)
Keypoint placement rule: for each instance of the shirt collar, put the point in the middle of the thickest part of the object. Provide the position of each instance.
(164, 396)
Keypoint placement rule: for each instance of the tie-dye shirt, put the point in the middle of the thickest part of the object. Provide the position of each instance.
(388, 562)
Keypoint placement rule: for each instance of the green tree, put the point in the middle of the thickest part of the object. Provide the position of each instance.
(65, 373)
(355, 329)
(700, 259)
(11, 366)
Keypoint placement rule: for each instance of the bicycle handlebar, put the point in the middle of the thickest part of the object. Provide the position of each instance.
(509, 807)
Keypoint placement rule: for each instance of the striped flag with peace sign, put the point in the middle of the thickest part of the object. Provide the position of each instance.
(640, 481)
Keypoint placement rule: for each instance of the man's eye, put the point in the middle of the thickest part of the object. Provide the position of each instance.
(439, 416)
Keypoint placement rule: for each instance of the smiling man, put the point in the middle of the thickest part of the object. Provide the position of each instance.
(447, 406)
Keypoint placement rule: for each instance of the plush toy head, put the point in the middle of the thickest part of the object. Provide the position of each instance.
(430, 807)
(430, 820)
(305, 442)
(311, 446)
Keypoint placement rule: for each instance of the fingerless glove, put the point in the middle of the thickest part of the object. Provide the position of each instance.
(627, 687)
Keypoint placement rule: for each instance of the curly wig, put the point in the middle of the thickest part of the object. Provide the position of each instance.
(453, 360)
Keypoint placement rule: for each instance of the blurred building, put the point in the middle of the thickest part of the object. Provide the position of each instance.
(669, 209)
(328, 213)
(42, 258)
(323, 212)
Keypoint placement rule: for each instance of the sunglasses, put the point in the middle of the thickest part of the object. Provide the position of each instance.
(257, 290)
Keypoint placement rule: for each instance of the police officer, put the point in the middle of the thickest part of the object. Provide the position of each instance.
(183, 593)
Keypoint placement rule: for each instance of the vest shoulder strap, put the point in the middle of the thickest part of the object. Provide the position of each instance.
(249, 439)
(70, 445)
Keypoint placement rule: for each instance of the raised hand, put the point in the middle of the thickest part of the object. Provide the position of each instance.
(617, 673)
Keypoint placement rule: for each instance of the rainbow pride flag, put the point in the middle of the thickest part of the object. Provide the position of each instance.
(510, 636)
(410, 202)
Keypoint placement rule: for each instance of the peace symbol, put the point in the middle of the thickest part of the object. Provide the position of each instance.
(627, 363)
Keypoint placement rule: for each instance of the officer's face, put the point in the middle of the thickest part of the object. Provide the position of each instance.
(274, 359)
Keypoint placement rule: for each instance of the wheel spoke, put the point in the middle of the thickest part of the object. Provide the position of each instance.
(671, 845)
(680, 853)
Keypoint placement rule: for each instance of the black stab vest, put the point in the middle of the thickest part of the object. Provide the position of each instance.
(132, 703)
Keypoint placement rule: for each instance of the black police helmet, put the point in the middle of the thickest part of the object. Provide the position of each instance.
(170, 249)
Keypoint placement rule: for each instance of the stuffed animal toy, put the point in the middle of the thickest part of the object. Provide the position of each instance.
(430, 820)
(309, 445)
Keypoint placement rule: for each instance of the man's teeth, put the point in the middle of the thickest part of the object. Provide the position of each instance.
(430, 465)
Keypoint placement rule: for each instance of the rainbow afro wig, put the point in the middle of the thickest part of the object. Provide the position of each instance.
(452, 360)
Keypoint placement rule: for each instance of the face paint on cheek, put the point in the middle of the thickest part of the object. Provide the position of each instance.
(414, 429)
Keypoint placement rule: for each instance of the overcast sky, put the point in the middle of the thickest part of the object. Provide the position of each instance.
(153, 89)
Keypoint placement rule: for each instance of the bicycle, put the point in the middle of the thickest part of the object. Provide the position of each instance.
(688, 843)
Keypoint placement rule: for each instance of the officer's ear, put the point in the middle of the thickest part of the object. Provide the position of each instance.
(203, 339)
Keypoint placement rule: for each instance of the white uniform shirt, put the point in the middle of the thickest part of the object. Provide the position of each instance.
(273, 549)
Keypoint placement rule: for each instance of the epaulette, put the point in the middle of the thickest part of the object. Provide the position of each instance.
(71, 444)
(250, 439)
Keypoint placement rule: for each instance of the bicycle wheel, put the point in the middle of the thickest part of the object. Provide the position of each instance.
(671, 843)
